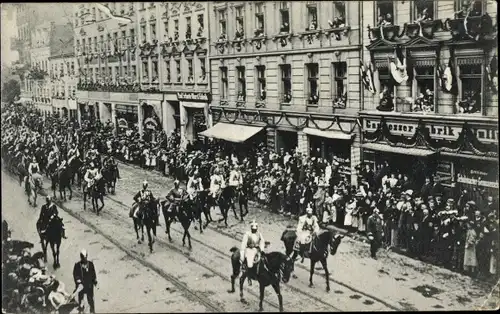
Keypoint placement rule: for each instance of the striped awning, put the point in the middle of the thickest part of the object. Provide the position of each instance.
(398, 150)
(235, 133)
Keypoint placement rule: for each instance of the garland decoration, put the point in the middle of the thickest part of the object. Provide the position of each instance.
(322, 129)
(236, 115)
(297, 126)
(265, 120)
(255, 118)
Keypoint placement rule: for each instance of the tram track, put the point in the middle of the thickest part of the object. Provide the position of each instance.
(299, 302)
(158, 182)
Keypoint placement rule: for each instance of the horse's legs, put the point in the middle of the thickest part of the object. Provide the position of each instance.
(44, 249)
(311, 272)
(52, 248)
(188, 236)
(168, 222)
(150, 239)
(34, 197)
(84, 200)
(324, 263)
(70, 192)
(262, 288)
(277, 289)
(242, 281)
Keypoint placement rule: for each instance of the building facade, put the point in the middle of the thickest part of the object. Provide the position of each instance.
(433, 103)
(292, 70)
(137, 73)
(38, 83)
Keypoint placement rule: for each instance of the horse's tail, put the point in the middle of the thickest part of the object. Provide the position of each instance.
(233, 249)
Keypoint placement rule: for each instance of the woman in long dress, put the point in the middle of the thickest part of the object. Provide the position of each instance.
(470, 260)
(348, 213)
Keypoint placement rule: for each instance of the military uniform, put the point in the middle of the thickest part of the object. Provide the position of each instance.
(252, 245)
(306, 227)
(142, 197)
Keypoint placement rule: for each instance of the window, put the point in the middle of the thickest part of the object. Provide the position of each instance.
(84, 46)
(72, 68)
(188, 27)
(339, 87)
(224, 83)
(190, 79)
(165, 28)
(462, 7)
(312, 77)
(145, 72)
(259, 19)
(385, 12)
(124, 71)
(124, 39)
(312, 17)
(261, 82)
(143, 33)
(153, 31)
(132, 36)
(239, 23)
(178, 71)
(94, 44)
(117, 73)
(167, 68)
(285, 17)
(109, 41)
(133, 73)
(222, 23)
(423, 10)
(200, 25)
(115, 38)
(93, 14)
(176, 30)
(102, 43)
(110, 73)
(154, 66)
(203, 71)
(470, 87)
(286, 83)
(241, 84)
(423, 89)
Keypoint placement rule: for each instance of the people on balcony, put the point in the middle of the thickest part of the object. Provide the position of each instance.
(222, 37)
(424, 16)
(240, 34)
(312, 26)
(384, 20)
(386, 100)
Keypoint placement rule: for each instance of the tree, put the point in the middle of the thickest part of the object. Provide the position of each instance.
(11, 90)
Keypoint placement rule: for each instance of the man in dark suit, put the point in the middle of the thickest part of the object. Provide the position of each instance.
(437, 187)
(375, 232)
(425, 191)
(85, 277)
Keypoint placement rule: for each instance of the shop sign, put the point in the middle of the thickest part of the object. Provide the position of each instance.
(150, 124)
(488, 176)
(122, 123)
(191, 96)
(445, 132)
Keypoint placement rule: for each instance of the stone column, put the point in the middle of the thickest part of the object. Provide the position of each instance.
(113, 117)
(355, 160)
(303, 143)
(184, 122)
(139, 118)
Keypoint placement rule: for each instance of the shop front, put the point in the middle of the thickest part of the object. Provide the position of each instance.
(193, 115)
(286, 140)
(151, 123)
(126, 118)
(465, 153)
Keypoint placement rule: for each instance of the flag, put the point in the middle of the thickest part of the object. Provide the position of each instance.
(109, 14)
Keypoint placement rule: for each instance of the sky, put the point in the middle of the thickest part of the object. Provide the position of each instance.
(9, 30)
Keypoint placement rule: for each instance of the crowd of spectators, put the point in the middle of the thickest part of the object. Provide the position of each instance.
(26, 285)
(457, 229)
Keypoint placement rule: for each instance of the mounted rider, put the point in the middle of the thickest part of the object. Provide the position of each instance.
(252, 247)
(33, 167)
(73, 153)
(194, 185)
(175, 196)
(142, 198)
(91, 175)
(307, 228)
(216, 186)
(48, 212)
(52, 159)
(235, 181)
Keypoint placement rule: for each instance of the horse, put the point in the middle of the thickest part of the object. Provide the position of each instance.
(33, 187)
(110, 173)
(200, 206)
(237, 197)
(325, 241)
(52, 235)
(273, 268)
(184, 212)
(138, 225)
(64, 182)
(148, 217)
(75, 165)
(224, 202)
(95, 192)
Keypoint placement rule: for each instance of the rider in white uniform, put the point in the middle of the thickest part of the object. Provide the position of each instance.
(91, 175)
(251, 246)
(72, 153)
(307, 227)
(216, 185)
(33, 167)
(194, 186)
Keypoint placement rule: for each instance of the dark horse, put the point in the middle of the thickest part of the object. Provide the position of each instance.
(147, 216)
(224, 202)
(277, 267)
(184, 212)
(75, 170)
(96, 193)
(110, 173)
(61, 178)
(201, 207)
(52, 235)
(326, 239)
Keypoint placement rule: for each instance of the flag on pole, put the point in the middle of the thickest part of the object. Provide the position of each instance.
(109, 14)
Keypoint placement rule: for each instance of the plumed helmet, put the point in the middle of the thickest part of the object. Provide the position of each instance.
(176, 182)
(145, 183)
(84, 253)
(309, 210)
(254, 225)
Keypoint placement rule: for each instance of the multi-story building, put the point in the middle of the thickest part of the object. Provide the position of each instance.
(136, 73)
(287, 74)
(63, 71)
(433, 103)
(29, 18)
(37, 82)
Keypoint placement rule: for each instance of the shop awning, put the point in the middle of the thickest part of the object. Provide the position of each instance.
(235, 133)
(470, 156)
(196, 105)
(337, 135)
(398, 150)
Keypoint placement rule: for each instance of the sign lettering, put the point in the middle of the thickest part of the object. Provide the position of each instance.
(193, 96)
(445, 132)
